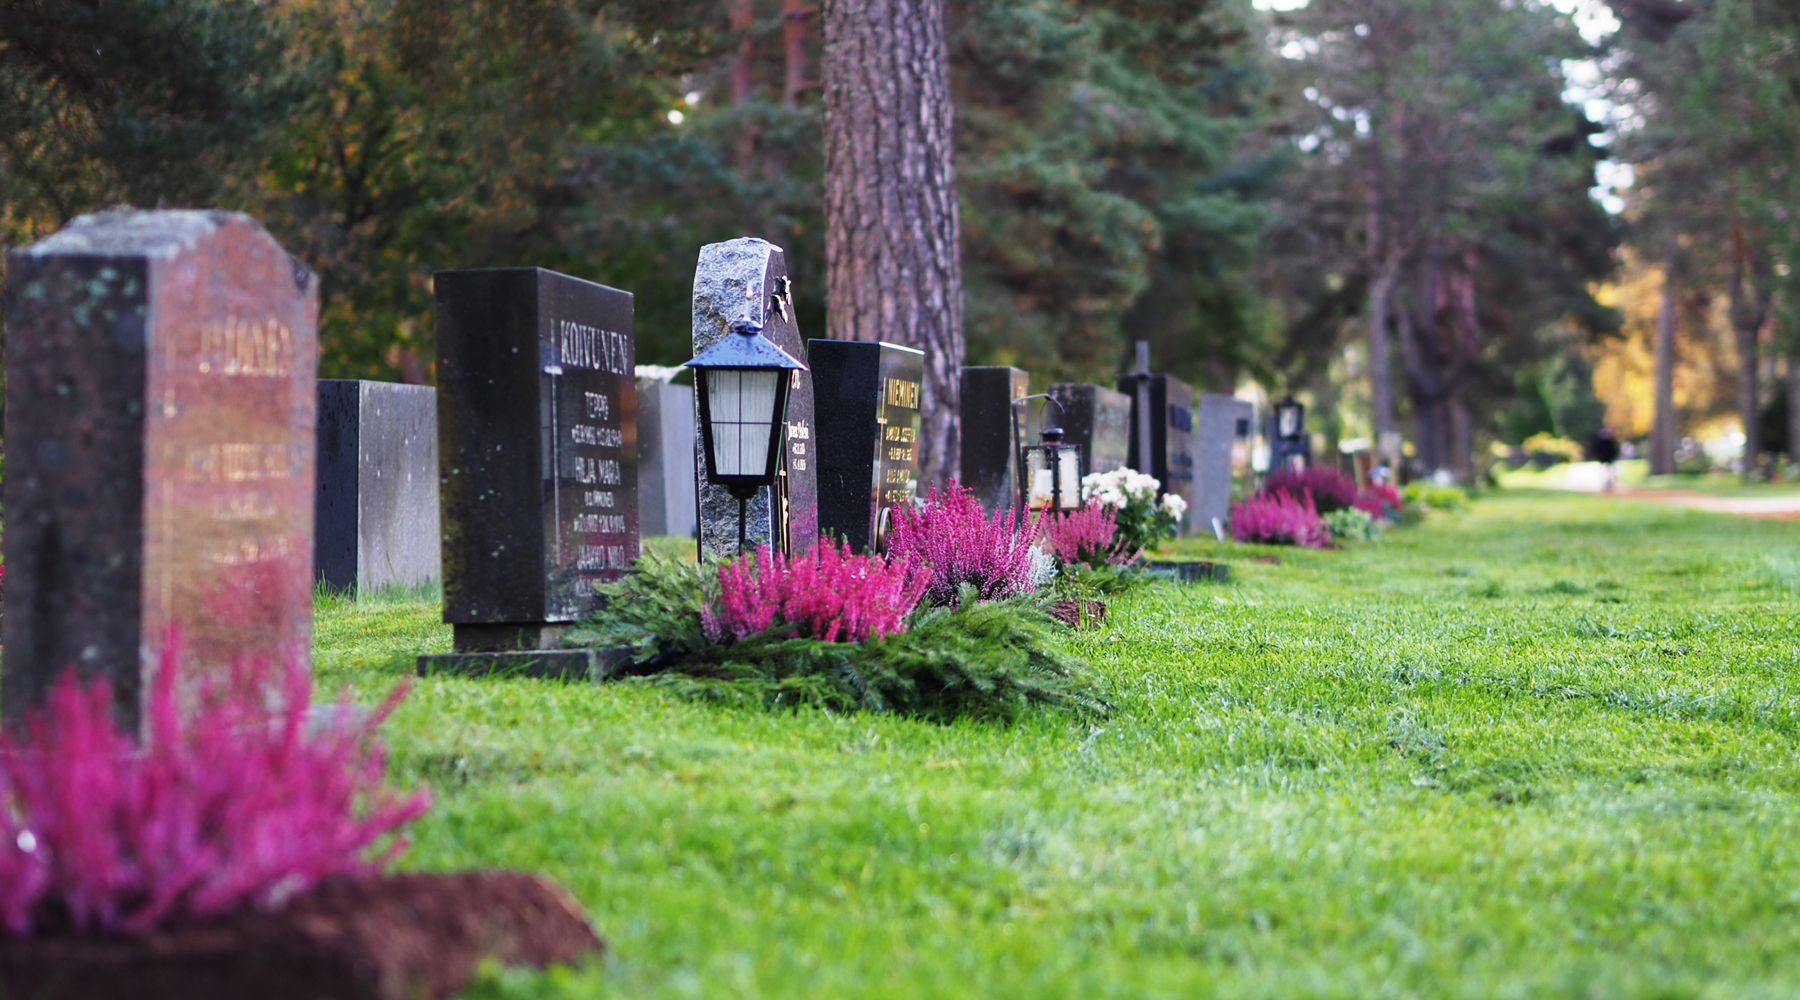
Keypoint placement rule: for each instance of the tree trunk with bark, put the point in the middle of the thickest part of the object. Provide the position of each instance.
(793, 39)
(892, 265)
(1384, 270)
(1662, 431)
(1752, 289)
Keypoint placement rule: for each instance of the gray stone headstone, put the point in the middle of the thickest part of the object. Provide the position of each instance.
(869, 448)
(161, 371)
(537, 451)
(376, 521)
(740, 278)
(666, 459)
(1099, 420)
(990, 455)
(1223, 422)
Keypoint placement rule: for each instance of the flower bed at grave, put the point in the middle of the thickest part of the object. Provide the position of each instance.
(956, 619)
(1318, 506)
(214, 852)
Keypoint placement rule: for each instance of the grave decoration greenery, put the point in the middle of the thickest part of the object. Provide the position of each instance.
(1279, 519)
(229, 804)
(841, 632)
(1351, 524)
(1142, 519)
(1435, 497)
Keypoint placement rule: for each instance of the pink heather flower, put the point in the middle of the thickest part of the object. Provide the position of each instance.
(1330, 488)
(1279, 519)
(1086, 536)
(1380, 500)
(954, 538)
(828, 594)
(236, 804)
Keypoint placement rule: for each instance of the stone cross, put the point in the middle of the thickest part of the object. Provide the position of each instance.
(161, 369)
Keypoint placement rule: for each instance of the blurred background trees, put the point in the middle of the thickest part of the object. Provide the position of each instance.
(1388, 206)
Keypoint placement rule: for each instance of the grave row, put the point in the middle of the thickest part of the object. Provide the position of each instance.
(176, 462)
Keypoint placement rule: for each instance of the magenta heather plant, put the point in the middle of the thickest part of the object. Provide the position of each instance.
(1380, 501)
(1279, 519)
(1330, 488)
(953, 537)
(1088, 536)
(828, 594)
(230, 804)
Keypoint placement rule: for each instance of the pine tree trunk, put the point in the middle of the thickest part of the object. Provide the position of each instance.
(1793, 408)
(1383, 270)
(1751, 291)
(1662, 433)
(892, 267)
(793, 37)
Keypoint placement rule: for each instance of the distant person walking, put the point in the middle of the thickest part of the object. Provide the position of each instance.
(1604, 448)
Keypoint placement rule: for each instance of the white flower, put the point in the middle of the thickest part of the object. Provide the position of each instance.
(1174, 505)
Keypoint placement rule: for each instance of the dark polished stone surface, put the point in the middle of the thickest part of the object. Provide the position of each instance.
(990, 455)
(376, 521)
(537, 444)
(1099, 420)
(666, 459)
(869, 448)
(160, 372)
(740, 278)
(1171, 439)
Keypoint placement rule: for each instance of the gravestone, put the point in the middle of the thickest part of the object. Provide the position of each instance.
(869, 448)
(376, 519)
(161, 370)
(537, 458)
(1169, 431)
(665, 458)
(748, 278)
(990, 447)
(1096, 418)
(1225, 422)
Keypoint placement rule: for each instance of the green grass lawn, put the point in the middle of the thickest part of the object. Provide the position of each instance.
(1544, 748)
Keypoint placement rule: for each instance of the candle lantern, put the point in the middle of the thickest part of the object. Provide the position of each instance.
(1290, 447)
(742, 383)
(1052, 473)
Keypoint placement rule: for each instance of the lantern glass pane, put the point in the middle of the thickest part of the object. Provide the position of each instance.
(1288, 418)
(742, 404)
(1039, 477)
(1068, 477)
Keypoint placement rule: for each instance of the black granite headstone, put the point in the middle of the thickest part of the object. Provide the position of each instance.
(537, 451)
(990, 453)
(868, 451)
(161, 370)
(376, 521)
(1171, 438)
(748, 278)
(1099, 420)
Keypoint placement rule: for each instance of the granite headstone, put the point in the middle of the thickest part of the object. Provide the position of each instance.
(537, 452)
(748, 278)
(1171, 431)
(990, 449)
(376, 520)
(869, 450)
(1224, 423)
(1099, 420)
(161, 369)
(665, 458)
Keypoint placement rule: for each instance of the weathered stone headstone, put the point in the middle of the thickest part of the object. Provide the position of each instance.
(736, 279)
(1225, 421)
(1170, 435)
(990, 450)
(1096, 418)
(161, 370)
(869, 448)
(537, 453)
(665, 458)
(376, 521)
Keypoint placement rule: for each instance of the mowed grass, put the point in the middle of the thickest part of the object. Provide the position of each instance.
(1544, 748)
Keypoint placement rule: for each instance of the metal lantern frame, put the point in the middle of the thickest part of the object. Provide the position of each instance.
(1059, 458)
(744, 349)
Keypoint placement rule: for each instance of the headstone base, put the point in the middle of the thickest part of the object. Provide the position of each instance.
(593, 665)
(507, 637)
(1190, 572)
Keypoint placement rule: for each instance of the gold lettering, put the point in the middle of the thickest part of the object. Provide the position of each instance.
(238, 346)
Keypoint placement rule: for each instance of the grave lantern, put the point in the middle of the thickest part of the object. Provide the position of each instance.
(743, 382)
(1052, 470)
(1289, 446)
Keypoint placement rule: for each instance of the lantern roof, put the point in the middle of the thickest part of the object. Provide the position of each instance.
(745, 347)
